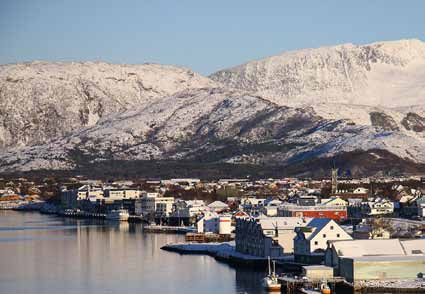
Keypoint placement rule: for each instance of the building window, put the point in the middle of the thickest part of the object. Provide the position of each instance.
(316, 243)
(324, 235)
(332, 227)
(337, 235)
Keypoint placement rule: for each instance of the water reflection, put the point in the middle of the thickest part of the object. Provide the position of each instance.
(50, 255)
(55, 255)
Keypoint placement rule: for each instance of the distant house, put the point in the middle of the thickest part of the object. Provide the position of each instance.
(240, 214)
(360, 190)
(367, 231)
(271, 208)
(211, 222)
(218, 206)
(252, 205)
(377, 207)
(334, 201)
(310, 242)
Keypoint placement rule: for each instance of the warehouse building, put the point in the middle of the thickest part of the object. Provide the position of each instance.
(390, 259)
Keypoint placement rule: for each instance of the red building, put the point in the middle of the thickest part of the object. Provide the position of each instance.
(319, 211)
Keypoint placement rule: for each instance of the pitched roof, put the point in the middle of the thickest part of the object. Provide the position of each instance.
(270, 223)
(318, 224)
(218, 204)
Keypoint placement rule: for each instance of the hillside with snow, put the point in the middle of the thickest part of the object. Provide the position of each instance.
(294, 113)
(345, 81)
(43, 100)
(213, 125)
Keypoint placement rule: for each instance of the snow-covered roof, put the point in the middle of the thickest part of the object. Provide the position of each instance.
(375, 247)
(270, 223)
(218, 204)
(413, 247)
(318, 224)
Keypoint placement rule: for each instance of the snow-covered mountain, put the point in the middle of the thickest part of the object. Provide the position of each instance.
(388, 74)
(213, 125)
(363, 104)
(345, 81)
(43, 100)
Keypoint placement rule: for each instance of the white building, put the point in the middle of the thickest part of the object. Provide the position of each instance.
(271, 208)
(188, 208)
(121, 194)
(211, 222)
(152, 203)
(311, 240)
(377, 207)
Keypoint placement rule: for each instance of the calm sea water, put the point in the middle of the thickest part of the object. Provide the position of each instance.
(50, 255)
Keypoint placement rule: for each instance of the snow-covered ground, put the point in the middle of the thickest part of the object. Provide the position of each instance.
(400, 284)
(224, 250)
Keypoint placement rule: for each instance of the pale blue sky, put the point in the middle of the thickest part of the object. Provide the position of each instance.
(203, 35)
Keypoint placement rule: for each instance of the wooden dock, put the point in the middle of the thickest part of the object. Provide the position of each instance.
(294, 284)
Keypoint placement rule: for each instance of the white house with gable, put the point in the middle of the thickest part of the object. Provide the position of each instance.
(311, 241)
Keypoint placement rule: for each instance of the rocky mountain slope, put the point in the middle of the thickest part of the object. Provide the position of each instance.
(362, 104)
(43, 100)
(345, 81)
(213, 125)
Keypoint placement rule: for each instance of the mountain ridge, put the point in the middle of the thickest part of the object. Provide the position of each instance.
(279, 111)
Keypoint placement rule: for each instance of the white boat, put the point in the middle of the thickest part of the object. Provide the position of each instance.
(270, 282)
(118, 214)
(323, 289)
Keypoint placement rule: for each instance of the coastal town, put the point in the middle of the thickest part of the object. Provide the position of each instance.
(363, 233)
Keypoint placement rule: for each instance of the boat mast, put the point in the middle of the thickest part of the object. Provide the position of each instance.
(270, 270)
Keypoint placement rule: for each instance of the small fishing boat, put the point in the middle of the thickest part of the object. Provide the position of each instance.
(323, 289)
(118, 215)
(270, 282)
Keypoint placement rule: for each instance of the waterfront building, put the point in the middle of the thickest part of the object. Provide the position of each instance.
(376, 259)
(212, 222)
(311, 240)
(187, 211)
(267, 236)
(120, 194)
(154, 204)
(69, 199)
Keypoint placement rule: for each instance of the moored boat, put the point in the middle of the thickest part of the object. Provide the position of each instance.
(323, 289)
(118, 215)
(270, 282)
